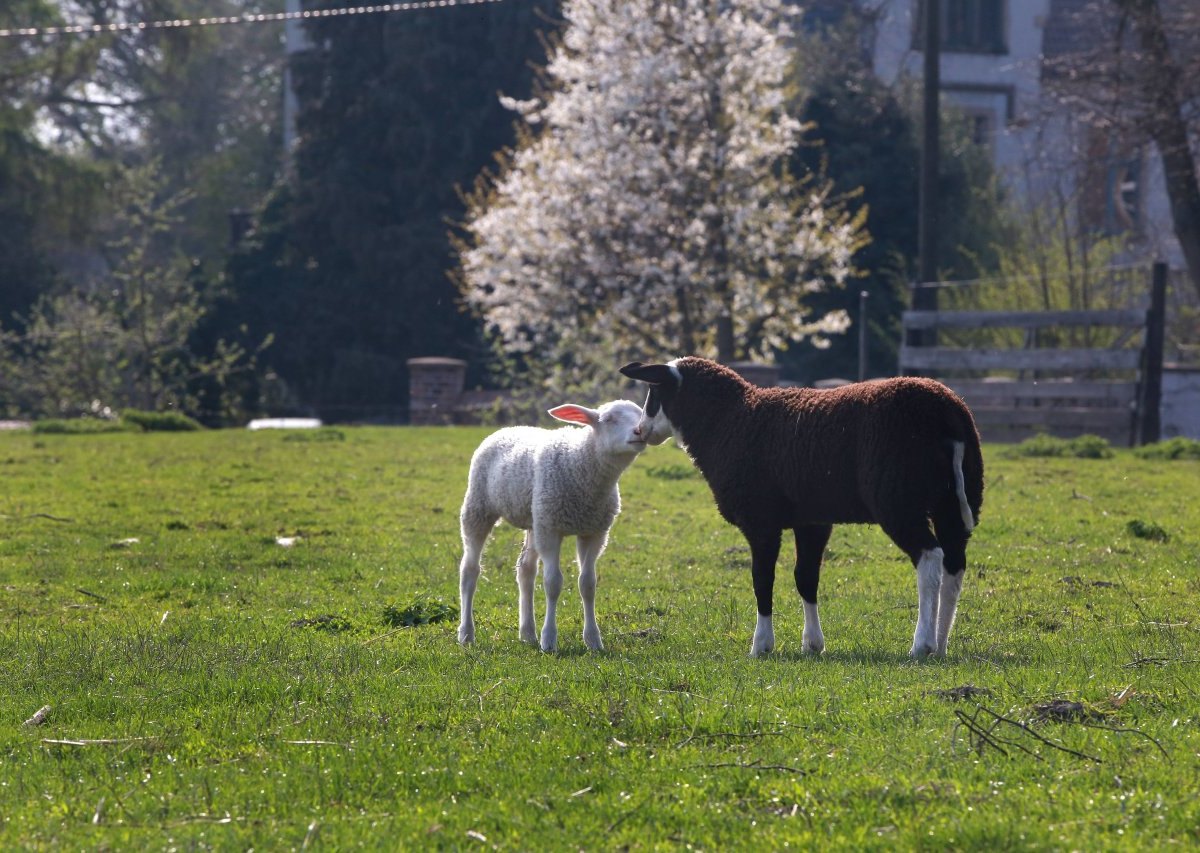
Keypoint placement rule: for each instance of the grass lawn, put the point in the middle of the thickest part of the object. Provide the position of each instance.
(211, 687)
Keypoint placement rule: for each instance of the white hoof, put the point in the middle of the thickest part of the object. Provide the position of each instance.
(592, 640)
(922, 650)
(813, 647)
(764, 638)
(528, 635)
(549, 640)
(466, 634)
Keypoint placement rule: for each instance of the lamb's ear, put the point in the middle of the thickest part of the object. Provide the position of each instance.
(574, 414)
(655, 374)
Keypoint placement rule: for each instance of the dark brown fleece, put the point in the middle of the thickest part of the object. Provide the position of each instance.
(878, 451)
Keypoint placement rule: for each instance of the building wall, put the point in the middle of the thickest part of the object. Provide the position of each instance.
(1180, 410)
(1005, 87)
(1037, 146)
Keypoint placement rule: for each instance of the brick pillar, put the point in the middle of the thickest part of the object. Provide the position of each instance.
(434, 388)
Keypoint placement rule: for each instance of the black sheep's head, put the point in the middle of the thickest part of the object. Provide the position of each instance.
(664, 381)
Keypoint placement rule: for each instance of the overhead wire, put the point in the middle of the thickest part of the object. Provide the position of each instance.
(225, 20)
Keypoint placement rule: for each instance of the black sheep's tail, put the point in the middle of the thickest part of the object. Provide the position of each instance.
(968, 470)
(960, 487)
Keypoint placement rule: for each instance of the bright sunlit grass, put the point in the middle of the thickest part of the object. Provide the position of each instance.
(243, 643)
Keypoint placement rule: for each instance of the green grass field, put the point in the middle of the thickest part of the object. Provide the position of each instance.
(211, 687)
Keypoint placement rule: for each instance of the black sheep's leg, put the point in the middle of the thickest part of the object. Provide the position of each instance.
(953, 536)
(917, 540)
(810, 549)
(764, 551)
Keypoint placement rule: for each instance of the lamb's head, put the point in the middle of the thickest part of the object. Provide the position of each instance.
(616, 425)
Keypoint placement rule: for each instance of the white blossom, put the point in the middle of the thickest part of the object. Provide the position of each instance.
(648, 197)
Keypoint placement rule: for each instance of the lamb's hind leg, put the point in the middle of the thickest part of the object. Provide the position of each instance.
(588, 549)
(526, 576)
(548, 547)
(475, 529)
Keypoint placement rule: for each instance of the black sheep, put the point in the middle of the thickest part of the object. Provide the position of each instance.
(901, 453)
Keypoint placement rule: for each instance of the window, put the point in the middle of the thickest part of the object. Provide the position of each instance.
(967, 26)
(986, 108)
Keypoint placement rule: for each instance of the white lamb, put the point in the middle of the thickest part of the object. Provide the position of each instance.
(552, 484)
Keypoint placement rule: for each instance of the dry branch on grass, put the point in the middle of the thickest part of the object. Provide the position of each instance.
(965, 691)
(39, 716)
(103, 741)
(986, 732)
(984, 728)
(1064, 710)
(751, 765)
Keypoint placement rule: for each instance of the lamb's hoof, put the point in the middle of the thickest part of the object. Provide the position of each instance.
(761, 649)
(921, 651)
(466, 635)
(592, 641)
(813, 648)
(549, 641)
(529, 635)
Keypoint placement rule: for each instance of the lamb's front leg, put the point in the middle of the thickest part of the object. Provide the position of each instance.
(588, 549)
(548, 547)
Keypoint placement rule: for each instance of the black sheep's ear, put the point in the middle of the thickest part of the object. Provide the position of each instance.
(654, 374)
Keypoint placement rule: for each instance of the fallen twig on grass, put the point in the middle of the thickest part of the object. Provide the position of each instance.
(83, 591)
(44, 515)
(986, 736)
(319, 743)
(1064, 710)
(102, 741)
(39, 716)
(717, 735)
(965, 691)
(311, 835)
(753, 765)
(1119, 730)
(1160, 661)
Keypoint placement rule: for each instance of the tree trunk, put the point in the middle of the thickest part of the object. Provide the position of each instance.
(725, 346)
(1169, 130)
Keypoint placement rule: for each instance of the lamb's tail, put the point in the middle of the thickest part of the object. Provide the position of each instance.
(960, 487)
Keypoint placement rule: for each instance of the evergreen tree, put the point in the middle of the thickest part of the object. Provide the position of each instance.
(348, 269)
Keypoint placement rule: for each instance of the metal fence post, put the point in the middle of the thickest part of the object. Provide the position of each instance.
(1152, 368)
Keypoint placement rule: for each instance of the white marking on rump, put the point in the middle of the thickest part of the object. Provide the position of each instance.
(961, 489)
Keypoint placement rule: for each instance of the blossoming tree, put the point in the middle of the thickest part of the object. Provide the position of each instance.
(646, 209)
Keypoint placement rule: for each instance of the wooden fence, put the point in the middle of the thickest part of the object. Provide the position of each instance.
(1112, 391)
